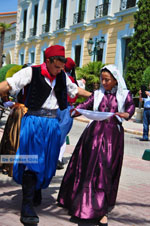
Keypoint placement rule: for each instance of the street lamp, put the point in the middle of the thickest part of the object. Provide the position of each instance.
(99, 44)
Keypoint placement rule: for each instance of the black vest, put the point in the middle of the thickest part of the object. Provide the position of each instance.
(39, 90)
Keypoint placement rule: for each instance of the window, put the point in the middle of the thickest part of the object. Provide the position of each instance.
(32, 57)
(125, 4)
(45, 27)
(22, 59)
(77, 55)
(81, 11)
(105, 7)
(35, 18)
(48, 15)
(131, 3)
(61, 22)
(24, 23)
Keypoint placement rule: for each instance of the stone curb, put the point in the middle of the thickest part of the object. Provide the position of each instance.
(133, 132)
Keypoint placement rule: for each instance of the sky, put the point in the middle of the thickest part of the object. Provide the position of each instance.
(8, 6)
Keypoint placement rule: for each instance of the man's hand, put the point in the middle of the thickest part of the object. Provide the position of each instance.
(4, 87)
(83, 92)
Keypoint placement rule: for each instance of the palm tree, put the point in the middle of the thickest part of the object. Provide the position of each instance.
(3, 28)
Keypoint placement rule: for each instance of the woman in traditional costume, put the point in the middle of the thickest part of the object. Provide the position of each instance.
(90, 184)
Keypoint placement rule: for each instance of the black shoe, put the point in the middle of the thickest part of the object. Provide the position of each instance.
(37, 197)
(142, 139)
(4, 171)
(60, 165)
(103, 224)
(62, 162)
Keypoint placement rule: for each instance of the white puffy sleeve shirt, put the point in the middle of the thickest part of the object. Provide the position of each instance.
(24, 76)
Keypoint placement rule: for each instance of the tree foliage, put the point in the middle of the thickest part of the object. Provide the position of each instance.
(139, 47)
(4, 70)
(146, 77)
(3, 28)
(91, 73)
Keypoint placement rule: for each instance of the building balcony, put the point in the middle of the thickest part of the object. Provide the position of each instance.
(60, 23)
(22, 35)
(101, 10)
(126, 4)
(32, 32)
(45, 28)
(78, 17)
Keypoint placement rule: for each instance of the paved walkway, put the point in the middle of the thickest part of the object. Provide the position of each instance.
(133, 200)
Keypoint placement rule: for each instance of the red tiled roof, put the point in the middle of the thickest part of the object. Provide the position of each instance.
(6, 13)
(14, 22)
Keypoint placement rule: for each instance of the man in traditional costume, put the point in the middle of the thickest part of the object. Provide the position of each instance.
(46, 88)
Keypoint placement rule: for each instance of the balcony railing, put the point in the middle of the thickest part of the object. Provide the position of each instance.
(32, 32)
(125, 4)
(7, 39)
(45, 28)
(22, 34)
(101, 10)
(60, 23)
(10, 38)
(78, 17)
(13, 37)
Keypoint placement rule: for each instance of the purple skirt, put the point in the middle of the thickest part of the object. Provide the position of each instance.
(90, 184)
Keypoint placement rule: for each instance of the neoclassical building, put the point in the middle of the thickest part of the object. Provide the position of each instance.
(108, 24)
(10, 35)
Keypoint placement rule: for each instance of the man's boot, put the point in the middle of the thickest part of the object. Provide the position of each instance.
(28, 215)
(37, 197)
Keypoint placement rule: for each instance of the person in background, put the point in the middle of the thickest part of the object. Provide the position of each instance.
(65, 120)
(10, 139)
(90, 184)
(46, 90)
(6, 104)
(146, 114)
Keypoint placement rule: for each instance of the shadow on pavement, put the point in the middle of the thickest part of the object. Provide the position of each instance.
(127, 219)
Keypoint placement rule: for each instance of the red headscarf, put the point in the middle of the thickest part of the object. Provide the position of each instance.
(70, 64)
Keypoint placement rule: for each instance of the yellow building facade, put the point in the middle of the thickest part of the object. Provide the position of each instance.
(71, 23)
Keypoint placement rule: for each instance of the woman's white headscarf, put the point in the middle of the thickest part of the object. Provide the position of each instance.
(121, 89)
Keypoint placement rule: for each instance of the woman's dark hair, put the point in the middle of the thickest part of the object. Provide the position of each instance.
(106, 70)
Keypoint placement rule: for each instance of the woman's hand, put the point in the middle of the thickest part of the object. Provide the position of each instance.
(124, 115)
(74, 112)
